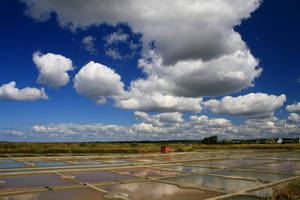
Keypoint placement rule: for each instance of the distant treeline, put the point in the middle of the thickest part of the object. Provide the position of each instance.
(143, 146)
(211, 140)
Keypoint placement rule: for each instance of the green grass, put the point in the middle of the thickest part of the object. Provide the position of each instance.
(289, 192)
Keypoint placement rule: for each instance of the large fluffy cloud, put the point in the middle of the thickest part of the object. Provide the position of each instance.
(256, 105)
(201, 29)
(97, 82)
(10, 92)
(229, 73)
(196, 52)
(157, 102)
(52, 69)
(180, 87)
(293, 107)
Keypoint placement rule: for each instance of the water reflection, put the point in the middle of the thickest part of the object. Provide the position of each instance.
(90, 163)
(102, 176)
(281, 167)
(226, 163)
(12, 165)
(261, 176)
(22, 197)
(32, 181)
(187, 169)
(158, 191)
(214, 182)
(73, 194)
(145, 172)
(48, 164)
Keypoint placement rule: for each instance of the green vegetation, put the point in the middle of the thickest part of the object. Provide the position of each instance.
(126, 147)
(289, 192)
(210, 140)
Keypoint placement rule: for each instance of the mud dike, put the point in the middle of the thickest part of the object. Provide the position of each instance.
(211, 175)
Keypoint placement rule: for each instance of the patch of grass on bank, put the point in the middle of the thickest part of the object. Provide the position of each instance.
(289, 192)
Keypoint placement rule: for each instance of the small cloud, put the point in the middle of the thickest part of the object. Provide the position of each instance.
(119, 40)
(114, 53)
(52, 69)
(10, 92)
(133, 45)
(293, 108)
(294, 117)
(88, 43)
(298, 80)
(11, 132)
(116, 37)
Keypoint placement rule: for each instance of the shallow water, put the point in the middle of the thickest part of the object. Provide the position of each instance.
(280, 167)
(7, 161)
(48, 164)
(146, 172)
(277, 157)
(89, 162)
(225, 163)
(186, 169)
(267, 191)
(73, 194)
(151, 190)
(261, 176)
(12, 165)
(263, 192)
(218, 183)
(62, 169)
(158, 191)
(101, 176)
(117, 161)
(32, 181)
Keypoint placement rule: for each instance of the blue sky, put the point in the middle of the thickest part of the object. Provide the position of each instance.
(179, 69)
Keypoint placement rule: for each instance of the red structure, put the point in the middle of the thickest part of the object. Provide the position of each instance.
(165, 149)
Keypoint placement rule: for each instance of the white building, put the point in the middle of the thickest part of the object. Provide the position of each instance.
(279, 141)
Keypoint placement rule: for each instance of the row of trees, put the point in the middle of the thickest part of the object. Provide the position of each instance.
(210, 140)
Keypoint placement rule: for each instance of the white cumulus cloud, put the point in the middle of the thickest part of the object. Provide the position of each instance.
(227, 74)
(180, 87)
(97, 82)
(294, 117)
(160, 119)
(293, 107)
(190, 48)
(52, 69)
(256, 105)
(201, 29)
(157, 102)
(170, 126)
(10, 92)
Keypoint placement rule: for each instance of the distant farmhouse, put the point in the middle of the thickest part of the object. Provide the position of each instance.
(279, 141)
